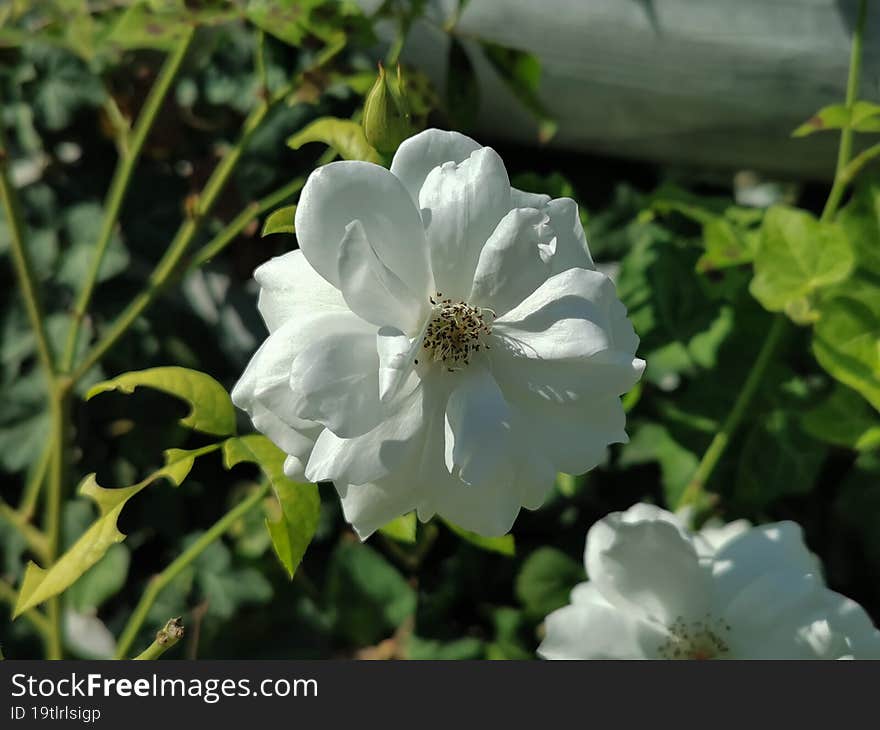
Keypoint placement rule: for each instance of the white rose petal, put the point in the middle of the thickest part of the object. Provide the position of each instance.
(441, 343)
(658, 591)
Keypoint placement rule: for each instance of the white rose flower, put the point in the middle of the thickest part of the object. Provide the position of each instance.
(441, 342)
(659, 591)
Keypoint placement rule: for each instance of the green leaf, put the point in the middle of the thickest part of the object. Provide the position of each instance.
(521, 72)
(39, 584)
(653, 442)
(545, 581)
(82, 224)
(791, 468)
(139, 27)
(844, 419)
(864, 117)
(211, 409)
(797, 256)
(402, 529)
(294, 526)
(343, 135)
(726, 245)
(102, 581)
(504, 545)
(861, 221)
(369, 597)
(846, 339)
(280, 221)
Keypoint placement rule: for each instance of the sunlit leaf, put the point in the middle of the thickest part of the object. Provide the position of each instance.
(280, 221)
(861, 220)
(798, 255)
(293, 528)
(40, 584)
(864, 117)
(402, 529)
(343, 135)
(846, 339)
(211, 409)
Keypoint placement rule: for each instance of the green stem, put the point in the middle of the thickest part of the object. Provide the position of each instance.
(166, 637)
(129, 155)
(34, 484)
(159, 582)
(694, 490)
(168, 265)
(240, 222)
(36, 540)
(32, 616)
(59, 410)
(844, 150)
(21, 260)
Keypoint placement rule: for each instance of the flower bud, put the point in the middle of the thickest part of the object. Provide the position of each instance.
(387, 121)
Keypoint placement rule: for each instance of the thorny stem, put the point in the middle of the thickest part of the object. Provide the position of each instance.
(129, 154)
(160, 581)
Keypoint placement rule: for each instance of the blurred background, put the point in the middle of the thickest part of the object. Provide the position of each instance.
(644, 111)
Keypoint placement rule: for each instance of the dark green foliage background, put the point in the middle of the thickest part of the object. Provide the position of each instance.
(442, 597)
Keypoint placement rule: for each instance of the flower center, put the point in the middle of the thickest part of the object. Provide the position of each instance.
(696, 640)
(455, 332)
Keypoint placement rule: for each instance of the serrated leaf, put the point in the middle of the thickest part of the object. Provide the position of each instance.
(844, 419)
(343, 135)
(797, 256)
(846, 339)
(864, 117)
(545, 581)
(504, 545)
(211, 409)
(40, 584)
(294, 527)
(402, 529)
(280, 221)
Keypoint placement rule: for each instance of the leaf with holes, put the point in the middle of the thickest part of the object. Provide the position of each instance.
(211, 409)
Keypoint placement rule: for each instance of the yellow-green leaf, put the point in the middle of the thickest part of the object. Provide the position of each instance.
(343, 135)
(402, 529)
(293, 528)
(846, 339)
(40, 584)
(797, 255)
(864, 117)
(504, 545)
(280, 221)
(211, 409)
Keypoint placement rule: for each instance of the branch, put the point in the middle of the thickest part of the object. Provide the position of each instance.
(166, 637)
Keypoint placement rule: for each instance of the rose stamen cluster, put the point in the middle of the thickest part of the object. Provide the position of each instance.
(456, 330)
(695, 640)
